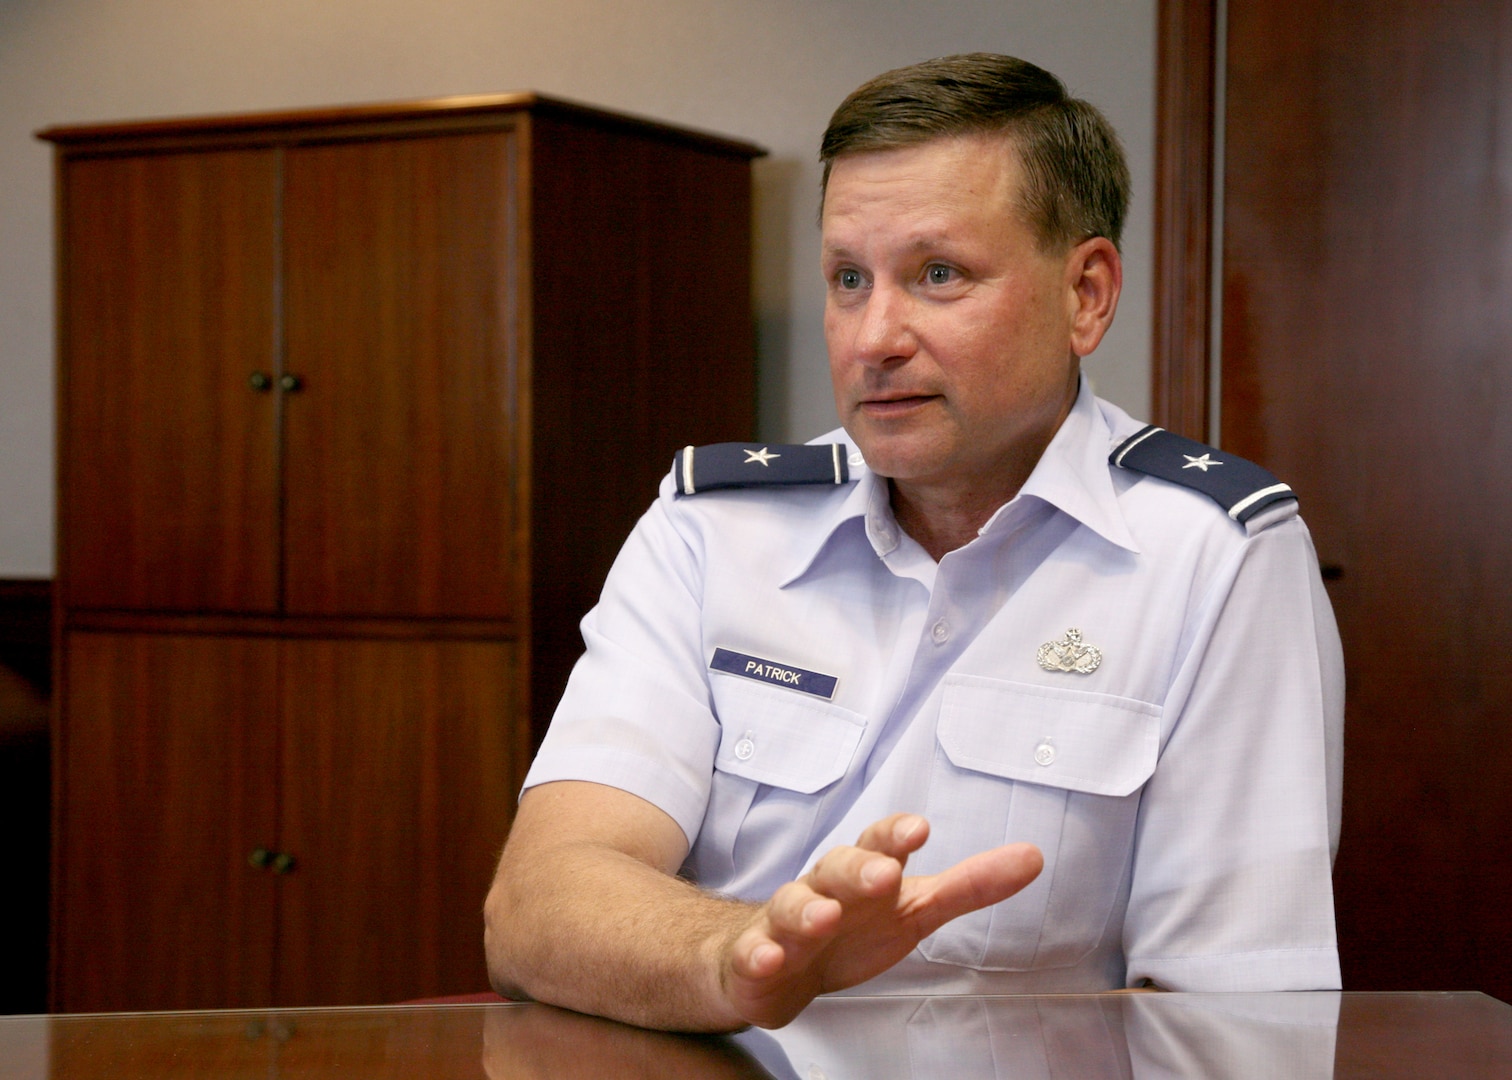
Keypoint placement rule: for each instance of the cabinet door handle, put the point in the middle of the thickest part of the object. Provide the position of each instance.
(260, 381)
(280, 862)
(290, 384)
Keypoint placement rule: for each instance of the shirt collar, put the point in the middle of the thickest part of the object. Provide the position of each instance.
(1072, 475)
(864, 501)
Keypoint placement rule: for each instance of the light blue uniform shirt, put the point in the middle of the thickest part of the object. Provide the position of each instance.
(1185, 793)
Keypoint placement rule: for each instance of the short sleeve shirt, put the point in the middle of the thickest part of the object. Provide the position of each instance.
(1112, 670)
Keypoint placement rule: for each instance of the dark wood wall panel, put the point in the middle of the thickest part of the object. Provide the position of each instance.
(25, 796)
(1181, 360)
(1367, 359)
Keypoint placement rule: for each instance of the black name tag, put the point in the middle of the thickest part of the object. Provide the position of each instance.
(769, 671)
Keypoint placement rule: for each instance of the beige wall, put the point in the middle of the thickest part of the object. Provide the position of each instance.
(765, 70)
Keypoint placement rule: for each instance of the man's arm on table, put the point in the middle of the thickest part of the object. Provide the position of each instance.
(587, 912)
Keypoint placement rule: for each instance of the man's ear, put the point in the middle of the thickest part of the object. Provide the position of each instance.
(1094, 274)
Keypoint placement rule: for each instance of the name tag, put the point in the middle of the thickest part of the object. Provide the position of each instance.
(768, 671)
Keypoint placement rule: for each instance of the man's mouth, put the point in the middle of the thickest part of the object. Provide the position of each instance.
(888, 404)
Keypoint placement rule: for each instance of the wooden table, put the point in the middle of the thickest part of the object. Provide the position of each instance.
(1090, 1037)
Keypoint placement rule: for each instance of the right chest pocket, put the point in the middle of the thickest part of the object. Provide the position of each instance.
(778, 752)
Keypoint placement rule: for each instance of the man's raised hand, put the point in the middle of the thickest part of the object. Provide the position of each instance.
(856, 914)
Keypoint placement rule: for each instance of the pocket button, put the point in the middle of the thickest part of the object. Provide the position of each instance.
(1044, 754)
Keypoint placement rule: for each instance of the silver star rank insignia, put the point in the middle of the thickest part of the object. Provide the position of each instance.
(1199, 462)
(764, 456)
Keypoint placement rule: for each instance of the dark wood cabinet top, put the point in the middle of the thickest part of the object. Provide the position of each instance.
(473, 110)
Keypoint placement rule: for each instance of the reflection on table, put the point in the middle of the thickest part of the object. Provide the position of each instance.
(1088, 1037)
(1091, 1038)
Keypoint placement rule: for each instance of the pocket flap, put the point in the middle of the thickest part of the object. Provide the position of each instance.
(1071, 739)
(781, 738)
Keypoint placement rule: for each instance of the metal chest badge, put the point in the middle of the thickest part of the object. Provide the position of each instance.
(1070, 653)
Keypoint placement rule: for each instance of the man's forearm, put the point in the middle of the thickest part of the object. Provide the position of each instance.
(600, 932)
(589, 927)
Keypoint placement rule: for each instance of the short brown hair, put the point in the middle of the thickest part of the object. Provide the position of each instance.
(1076, 181)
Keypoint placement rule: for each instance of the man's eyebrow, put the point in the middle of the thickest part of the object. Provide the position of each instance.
(921, 242)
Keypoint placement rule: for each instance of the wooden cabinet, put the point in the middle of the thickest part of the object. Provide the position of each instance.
(355, 407)
(292, 821)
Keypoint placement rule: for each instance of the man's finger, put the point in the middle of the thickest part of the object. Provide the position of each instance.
(986, 878)
(898, 835)
(854, 873)
(874, 866)
(799, 911)
(756, 956)
(794, 926)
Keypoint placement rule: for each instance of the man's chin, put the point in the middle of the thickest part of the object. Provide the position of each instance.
(898, 459)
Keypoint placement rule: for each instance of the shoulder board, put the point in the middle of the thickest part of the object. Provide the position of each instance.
(1241, 487)
(735, 465)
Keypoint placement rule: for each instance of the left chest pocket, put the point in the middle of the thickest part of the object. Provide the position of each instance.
(778, 753)
(782, 738)
(1060, 768)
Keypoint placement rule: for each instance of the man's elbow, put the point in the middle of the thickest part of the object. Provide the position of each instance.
(501, 942)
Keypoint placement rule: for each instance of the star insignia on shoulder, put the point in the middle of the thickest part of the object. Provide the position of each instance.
(764, 456)
(1193, 462)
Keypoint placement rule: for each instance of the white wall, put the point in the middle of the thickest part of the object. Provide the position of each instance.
(766, 70)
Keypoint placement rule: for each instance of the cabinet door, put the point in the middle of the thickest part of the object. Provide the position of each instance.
(402, 285)
(167, 766)
(169, 470)
(402, 763)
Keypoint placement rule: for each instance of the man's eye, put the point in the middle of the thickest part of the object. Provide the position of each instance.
(849, 279)
(940, 275)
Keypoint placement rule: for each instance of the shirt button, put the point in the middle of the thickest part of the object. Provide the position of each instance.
(816, 1073)
(857, 460)
(1044, 754)
(745, 748)
(940, 632)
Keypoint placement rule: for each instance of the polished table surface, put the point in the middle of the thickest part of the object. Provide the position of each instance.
(1087, 1037)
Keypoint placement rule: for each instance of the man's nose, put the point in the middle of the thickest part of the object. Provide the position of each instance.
(885, 328)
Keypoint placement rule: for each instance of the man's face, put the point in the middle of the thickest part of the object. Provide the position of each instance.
(952, 336)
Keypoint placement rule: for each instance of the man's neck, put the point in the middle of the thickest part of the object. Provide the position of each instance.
(942, 520)
(948, 512)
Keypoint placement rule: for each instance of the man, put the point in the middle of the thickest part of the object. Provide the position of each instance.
(1110, 708)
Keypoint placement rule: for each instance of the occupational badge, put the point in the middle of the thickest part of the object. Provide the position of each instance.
(1070, 653)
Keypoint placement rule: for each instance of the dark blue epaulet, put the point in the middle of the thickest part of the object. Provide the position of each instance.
(732, 465)
(1241, 487)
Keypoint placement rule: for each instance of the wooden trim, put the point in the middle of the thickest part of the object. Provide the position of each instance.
(287, 626)
(519, 303)
(1181, 360)
(355, 121)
